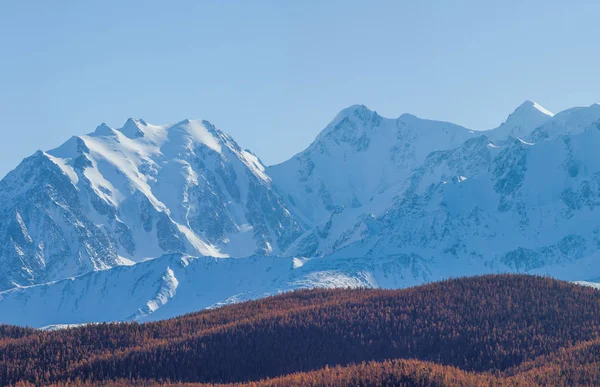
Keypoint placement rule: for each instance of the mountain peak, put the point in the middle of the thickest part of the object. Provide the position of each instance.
(355, 114)
(522, 122)
(133, 128)
(407, 117)
(359, 111)
(357, 108)
(191, 124)
(104, 130)
(531, 106)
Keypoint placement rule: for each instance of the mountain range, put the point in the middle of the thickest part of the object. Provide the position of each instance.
(146, 222)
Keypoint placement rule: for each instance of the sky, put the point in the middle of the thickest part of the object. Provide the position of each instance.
(274, 73)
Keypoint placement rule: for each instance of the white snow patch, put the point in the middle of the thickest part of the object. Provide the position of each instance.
(24, 230)
(67, 169)
(59, 327)
(542, 109)
(255, 166)
(595, 285)
(525, 142)
(202, 247)
(299, 262)
(200, 133)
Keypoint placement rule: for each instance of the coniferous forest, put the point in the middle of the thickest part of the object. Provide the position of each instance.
(489, 330)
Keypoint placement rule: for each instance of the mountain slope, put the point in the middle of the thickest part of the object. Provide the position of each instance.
(174, 284)
(516, 207)
(121, 196)
(570, 121)
(357, 156)
(361, 162)
(521, 123)
(504, 206)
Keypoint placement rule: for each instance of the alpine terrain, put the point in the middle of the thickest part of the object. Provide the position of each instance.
(146, 222)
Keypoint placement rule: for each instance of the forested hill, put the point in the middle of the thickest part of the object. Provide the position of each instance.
(489, 330)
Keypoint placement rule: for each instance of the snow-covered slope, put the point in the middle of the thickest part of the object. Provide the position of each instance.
(377, 174)
(516, 207)
(357, 156)
(176, 284)
(521, 123)
(570, 121)
(122, 196)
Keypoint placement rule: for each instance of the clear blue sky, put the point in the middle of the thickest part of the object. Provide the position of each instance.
(274, 73)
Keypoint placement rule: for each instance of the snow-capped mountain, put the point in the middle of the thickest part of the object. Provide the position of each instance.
(517, 206)
(357, 156)
(371, 202)
(407, 138)
(522, 122)
(121, 196)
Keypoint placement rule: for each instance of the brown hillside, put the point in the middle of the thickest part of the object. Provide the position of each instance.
(489, 329)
